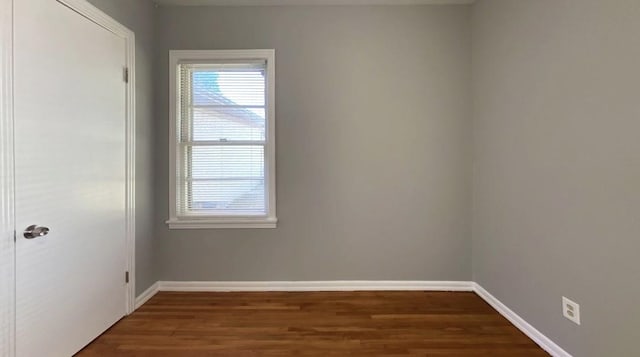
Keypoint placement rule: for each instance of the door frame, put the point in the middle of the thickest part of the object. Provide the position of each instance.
(7, 222)
(7, 185)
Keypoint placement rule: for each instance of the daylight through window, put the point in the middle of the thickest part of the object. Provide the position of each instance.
(223, 141)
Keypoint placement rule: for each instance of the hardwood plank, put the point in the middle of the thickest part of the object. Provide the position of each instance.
(314, 324)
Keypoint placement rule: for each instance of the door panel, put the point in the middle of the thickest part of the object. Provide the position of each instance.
(70, 177)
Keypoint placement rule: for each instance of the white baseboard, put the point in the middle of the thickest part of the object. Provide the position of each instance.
(358, 285)
(146, 295)
(543, 341)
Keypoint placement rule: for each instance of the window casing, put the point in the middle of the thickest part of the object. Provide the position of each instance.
(222, 139)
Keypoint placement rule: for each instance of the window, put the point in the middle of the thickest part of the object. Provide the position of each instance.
(222, 139)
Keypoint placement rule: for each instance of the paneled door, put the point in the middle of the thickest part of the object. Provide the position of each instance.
(70, 179)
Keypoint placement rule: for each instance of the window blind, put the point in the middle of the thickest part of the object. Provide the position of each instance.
(222, 139)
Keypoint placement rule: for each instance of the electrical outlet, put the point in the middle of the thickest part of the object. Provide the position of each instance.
(571, 310)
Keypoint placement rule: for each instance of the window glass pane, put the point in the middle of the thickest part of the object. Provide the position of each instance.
(230, 197)
(228, 124)
(224, 162)
(226, 180)
(222, 138)
(246, 87)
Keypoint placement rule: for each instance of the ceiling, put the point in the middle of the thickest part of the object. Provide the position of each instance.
(309, 2)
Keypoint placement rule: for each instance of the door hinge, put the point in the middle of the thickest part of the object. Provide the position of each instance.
(15, 236)
(125, 74)
(126, 277)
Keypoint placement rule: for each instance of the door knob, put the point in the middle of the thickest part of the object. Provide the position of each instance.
(34, 232)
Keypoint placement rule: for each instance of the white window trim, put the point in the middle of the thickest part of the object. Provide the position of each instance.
(177, 222)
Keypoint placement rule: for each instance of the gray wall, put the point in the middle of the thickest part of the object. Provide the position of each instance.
(373, 144)
(557, 166)
(138, 16)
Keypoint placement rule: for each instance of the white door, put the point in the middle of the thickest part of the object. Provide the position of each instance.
(70, 177)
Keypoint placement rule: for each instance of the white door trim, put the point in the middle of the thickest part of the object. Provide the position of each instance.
(94, 14)
(7, 203)
(7, 217)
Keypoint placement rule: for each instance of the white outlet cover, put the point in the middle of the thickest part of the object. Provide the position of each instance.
(571, 310)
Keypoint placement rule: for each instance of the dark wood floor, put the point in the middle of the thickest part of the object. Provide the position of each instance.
(314, 324)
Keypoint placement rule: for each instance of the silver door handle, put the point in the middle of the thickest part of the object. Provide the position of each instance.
(34, 231)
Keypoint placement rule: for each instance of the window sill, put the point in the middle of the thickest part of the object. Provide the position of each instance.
(222, 223)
